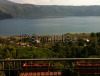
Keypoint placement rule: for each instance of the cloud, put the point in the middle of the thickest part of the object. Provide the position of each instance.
(83, 2)
(51, 2)
(59, 2)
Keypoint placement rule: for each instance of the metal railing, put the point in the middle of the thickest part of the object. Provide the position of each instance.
(57, 67)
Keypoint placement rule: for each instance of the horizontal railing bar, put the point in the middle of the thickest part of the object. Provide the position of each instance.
(49, 59)
(50, 69)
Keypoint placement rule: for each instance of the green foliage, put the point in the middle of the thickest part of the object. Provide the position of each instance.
(51, 50)
(2, 40)
(4, 15)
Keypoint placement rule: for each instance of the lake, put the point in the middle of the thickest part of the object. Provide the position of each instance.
(50, 25)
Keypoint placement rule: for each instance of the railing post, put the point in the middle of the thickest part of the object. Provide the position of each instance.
(9, 68)
(3, 65)
(14, 65)
(20, 64)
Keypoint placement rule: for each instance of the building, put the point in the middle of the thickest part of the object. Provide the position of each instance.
(88, 67)
(38, 69)
(22, 44)
(36, 41)
(87, 40)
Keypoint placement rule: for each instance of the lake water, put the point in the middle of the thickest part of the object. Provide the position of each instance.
(51, 25)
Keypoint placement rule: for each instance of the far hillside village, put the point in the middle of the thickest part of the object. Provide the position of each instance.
(31, 40)
(51, 46)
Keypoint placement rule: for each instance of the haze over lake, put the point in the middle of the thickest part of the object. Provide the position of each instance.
(50, 25)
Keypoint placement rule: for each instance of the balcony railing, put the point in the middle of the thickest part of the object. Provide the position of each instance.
(50, 67)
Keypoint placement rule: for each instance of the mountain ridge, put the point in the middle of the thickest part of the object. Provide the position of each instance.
(31, 11)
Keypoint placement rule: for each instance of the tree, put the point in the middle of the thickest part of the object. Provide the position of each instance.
(92, 34)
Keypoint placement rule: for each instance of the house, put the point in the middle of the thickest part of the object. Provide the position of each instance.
(38, 69)
(87, 40)
(85, 45)
(22, 44)
(88, 67)
(36, 41)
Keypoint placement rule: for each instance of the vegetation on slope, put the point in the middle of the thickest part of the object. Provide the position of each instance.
(28, 10)
(4, 15)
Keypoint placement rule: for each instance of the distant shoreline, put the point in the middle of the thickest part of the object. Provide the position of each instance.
(44, 17)
(4, 36)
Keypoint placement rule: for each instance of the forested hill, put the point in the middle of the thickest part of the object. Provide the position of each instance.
(29, 10)
(4, 15)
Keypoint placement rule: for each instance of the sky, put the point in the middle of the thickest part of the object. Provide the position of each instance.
(59, 2)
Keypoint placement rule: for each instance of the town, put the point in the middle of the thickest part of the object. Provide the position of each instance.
(83, 45)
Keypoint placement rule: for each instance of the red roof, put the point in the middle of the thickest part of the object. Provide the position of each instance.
(35, 64)
(88, 63)
(38, 69)
(40, 74)
(88, 67)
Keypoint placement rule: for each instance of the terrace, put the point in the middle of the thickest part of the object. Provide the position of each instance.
(50, 67)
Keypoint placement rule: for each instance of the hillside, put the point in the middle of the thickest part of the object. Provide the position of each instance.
(4, 15)
(28, 10)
